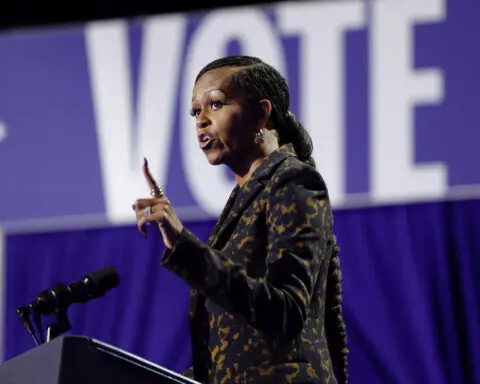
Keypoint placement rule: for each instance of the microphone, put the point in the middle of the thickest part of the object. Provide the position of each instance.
(93, 285)
(22, 314)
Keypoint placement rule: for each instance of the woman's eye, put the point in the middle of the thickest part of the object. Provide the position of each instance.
(216, 105)
(194, 112)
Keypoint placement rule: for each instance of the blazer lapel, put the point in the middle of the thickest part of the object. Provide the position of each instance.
(242, 197)
(225, 212)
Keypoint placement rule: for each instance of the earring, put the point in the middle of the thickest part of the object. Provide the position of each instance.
(259, 137)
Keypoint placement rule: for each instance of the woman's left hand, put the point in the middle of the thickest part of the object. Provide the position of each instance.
(158, 211)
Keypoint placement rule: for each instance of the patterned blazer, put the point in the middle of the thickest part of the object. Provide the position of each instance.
(257, 302)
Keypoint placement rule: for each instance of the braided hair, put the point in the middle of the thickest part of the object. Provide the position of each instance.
(259, 80)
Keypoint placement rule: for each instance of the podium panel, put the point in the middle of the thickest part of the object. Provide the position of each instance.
(82, 360)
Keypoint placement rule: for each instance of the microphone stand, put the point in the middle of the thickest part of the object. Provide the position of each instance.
(62, 324)
(37, 319)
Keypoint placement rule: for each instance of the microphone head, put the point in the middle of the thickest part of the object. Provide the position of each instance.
(102, 280)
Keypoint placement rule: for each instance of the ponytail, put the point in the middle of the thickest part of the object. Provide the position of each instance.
(290, 130)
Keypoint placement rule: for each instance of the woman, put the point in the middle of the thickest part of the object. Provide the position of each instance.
(265, 304)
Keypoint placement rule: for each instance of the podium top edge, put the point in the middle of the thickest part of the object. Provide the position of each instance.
(122, 354)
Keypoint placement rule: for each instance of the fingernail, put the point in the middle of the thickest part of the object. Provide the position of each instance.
(145, 161)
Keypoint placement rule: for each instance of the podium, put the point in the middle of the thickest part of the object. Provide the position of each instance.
(82, 360)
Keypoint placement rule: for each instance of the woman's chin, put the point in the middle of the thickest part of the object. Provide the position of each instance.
(214, 157)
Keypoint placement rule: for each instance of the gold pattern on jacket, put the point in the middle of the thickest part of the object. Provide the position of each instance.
(258, 286)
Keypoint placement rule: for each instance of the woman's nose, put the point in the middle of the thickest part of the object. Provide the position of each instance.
(202, 121)
(202, 124)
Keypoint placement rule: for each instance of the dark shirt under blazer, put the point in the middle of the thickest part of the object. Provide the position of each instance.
(258, 286)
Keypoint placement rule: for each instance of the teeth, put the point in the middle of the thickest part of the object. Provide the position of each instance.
(205, 138)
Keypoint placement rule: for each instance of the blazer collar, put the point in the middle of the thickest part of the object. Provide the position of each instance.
(241, 197)
(268, 166)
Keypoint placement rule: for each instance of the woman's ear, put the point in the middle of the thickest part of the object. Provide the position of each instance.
(266, 110)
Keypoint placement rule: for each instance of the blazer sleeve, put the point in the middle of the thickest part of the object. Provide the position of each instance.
(298, 221)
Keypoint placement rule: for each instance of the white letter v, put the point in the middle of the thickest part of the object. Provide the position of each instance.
(121, 146)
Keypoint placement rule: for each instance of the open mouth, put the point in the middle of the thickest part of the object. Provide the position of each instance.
(206, 142)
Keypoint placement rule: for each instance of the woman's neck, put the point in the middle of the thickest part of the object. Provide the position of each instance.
(245, 172)
(245, 176)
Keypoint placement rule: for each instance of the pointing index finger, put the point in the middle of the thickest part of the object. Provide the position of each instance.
(155, 190)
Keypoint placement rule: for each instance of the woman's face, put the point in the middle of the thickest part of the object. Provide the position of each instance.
(225, 125)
